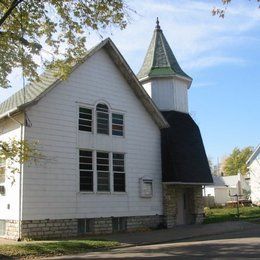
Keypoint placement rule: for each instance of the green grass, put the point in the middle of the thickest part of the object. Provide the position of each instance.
(230, 214)
(40, 249)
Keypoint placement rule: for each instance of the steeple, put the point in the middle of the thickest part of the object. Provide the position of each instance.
(162, 76)
(160, 60)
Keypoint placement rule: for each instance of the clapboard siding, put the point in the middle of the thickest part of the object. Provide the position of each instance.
(10, 130)
(254, 168)
(51, 188)
(168, 94)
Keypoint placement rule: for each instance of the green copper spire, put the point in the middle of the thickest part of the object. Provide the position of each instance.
(160, 60)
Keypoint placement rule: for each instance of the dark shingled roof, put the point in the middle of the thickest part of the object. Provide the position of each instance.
(160, 60)
(183, 155)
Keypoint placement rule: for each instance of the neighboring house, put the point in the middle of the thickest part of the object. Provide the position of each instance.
(253, 164)
(115, 159)
(225, 187)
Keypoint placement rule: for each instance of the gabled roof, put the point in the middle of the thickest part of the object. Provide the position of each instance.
(36, 90)
(160, 60)
(184, 160)
(254, 155)
(230, 181)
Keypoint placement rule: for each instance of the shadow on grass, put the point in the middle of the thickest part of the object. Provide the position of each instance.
(53, 248)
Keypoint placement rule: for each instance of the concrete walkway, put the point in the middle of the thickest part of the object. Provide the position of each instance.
(178, 233)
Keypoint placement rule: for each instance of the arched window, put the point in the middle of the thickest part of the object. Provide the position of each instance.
(102, 113)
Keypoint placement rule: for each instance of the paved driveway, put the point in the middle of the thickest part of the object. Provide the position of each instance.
(239, 244)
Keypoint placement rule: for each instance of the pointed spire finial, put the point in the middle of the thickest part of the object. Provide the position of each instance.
(157, 24)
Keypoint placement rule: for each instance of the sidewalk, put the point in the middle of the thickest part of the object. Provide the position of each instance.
(178, 233)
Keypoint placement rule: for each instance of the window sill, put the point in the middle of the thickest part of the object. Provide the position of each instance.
(86, 192)
(119, 192)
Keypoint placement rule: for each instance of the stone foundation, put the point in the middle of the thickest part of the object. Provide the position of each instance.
(49, 228)
(11, 229)
(65, 228)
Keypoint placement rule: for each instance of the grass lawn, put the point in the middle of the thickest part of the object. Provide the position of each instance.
(229, 214)
(44, 249)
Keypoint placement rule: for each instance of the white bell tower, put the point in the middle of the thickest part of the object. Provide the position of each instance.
(162, 77)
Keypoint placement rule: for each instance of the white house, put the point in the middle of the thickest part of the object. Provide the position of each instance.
(224, 188)
(115, 159)
(253, 164)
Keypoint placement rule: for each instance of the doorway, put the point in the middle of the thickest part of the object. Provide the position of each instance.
(183, 207)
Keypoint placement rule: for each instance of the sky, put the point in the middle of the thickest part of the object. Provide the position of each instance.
(221, 55)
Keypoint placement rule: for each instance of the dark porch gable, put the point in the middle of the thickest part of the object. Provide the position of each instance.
(184, 158)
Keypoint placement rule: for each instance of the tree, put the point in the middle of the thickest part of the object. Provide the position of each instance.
(14, 152)
(52, 30)
(236, 161)
(221, 11)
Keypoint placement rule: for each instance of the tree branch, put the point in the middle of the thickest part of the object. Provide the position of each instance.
(13, 5)
(22, 40)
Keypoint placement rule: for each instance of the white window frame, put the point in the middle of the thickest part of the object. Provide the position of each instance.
(94, 118)
(95, 175)
(92, 121)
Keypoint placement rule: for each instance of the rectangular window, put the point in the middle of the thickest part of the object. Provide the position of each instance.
(103, 183)
(119, 172)
(119, 224)
(86, 170)
(117, 124)
(85, 226)
(85, 119)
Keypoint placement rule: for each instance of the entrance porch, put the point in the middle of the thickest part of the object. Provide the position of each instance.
(182, 204)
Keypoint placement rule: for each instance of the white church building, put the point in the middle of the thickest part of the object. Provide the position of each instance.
(121, 151)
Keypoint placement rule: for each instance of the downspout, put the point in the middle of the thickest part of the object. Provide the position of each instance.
(20, 177)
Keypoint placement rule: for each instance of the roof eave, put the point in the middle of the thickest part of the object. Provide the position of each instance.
(148, 77)
(253, 155)
(135, 84)
(10, 112)
(186, 183)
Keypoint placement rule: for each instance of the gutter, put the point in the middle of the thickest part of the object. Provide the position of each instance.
(8, 113)
(22, 125)
(188, 183)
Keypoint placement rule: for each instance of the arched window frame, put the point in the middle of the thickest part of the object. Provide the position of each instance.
(102, 102)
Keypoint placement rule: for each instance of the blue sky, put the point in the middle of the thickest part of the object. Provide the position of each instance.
(221, 55)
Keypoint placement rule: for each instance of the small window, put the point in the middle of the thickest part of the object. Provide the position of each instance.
(119, 172)
(117, 124)
(102, 113)
(103, 183)
(2, 190)
(85, 226)
(2, 227)
(85, 119)
(86, 170)
(119, 224)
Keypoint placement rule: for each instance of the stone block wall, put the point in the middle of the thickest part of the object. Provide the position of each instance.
(12, 229)
(49, 228)
(64, 228)
(169, 205)
(171, 192)
(102, 226)
(139, 222)
(198, 204)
